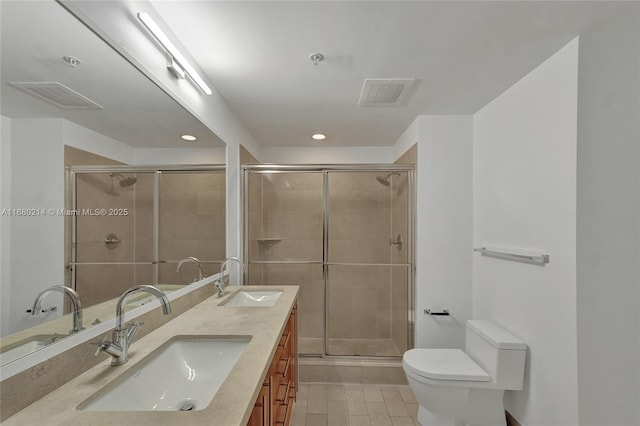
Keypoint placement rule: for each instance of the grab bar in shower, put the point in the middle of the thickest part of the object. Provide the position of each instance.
(514, 255)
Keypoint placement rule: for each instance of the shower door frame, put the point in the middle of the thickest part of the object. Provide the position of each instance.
(325, 169)
(71, 205)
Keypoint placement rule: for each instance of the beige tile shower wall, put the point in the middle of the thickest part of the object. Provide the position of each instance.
(191, 223)
(77, 157)
(359, 218)
(246, 157)
(255, 229)
(359, 232)
(292, 211)
(399, 276)
(359, 302)
(97, 283)
(254, 184)
(310, 296)
(288, 206)
(143, 228)
(399, 293)
(286, 214)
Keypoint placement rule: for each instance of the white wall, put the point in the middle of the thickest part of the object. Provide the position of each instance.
(443, 234)
(524, 173)
(162, 156)
(37, 242)
(88, 140)
(326, 155)
(409, 137)
(608, 223)
(5, 224)
(35, 180)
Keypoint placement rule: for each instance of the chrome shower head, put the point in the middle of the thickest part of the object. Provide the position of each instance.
(124, 181)
(384, 180)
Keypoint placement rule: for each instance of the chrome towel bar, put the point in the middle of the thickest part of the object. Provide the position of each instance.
(519, 256)
(442, 313)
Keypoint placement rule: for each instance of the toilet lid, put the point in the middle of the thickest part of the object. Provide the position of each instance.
(444, 364)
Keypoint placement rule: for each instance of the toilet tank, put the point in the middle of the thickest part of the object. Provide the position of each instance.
(497, 351)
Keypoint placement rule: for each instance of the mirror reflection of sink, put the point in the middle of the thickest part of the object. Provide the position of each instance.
(143, 299)
(253, 298)
(24, 347)
(183, 374)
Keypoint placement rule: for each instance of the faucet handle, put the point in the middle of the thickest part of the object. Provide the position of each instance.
(102, 345)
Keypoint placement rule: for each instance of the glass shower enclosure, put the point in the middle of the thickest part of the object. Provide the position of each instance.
(132, 225)
(344, 234)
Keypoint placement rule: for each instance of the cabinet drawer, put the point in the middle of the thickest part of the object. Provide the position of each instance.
(283, 413)
(283, 392)
(283, 366)
(284, 340)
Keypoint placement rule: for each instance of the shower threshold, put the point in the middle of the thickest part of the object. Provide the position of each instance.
(335, 369)
(349, 347)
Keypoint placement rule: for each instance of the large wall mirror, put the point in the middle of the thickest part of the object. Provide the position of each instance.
(84, 202)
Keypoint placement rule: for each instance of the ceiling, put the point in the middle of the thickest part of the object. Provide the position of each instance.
(256, 54)
(463, 54)
(35, 35)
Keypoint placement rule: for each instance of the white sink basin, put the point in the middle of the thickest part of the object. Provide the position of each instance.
(27, 346)
(253, 298)
(183, 374)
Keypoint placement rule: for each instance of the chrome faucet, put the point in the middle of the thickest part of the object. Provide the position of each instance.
(223, 281)
(191, 259)
(123, 336)
(75, 302)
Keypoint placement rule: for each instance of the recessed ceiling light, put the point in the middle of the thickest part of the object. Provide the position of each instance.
(319, 137)
(189, 138)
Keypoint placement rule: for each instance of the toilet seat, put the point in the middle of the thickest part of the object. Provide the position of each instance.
(443, 364)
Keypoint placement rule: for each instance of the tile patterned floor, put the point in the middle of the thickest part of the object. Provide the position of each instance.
(338, 404)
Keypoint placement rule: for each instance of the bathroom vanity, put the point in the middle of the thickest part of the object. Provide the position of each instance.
(258, 389)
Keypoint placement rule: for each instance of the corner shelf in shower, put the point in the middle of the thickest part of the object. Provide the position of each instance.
(268, 240)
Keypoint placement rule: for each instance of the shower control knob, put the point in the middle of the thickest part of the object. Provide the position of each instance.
(111, 241)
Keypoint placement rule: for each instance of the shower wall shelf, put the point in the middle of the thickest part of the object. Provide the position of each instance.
(268, 240)
(515, 255)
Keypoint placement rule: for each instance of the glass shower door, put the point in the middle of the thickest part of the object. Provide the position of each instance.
(367, 263)
(284, 229)
(113, 225)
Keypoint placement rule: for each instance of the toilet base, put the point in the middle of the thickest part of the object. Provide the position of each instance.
(483, 408)
(429, 418)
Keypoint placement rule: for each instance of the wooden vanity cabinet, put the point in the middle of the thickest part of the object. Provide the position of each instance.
(274, 405)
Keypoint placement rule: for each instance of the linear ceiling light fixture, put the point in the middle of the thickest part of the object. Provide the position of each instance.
(162, 38)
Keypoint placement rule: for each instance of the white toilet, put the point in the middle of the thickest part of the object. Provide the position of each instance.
(466, 388)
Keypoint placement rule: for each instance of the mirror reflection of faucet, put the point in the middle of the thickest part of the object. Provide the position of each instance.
(196, 261)
(122, 337)
(223, 280)
(76, 305)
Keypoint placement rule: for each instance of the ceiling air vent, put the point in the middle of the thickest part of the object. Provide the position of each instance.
(57, 94)
(385, 91)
